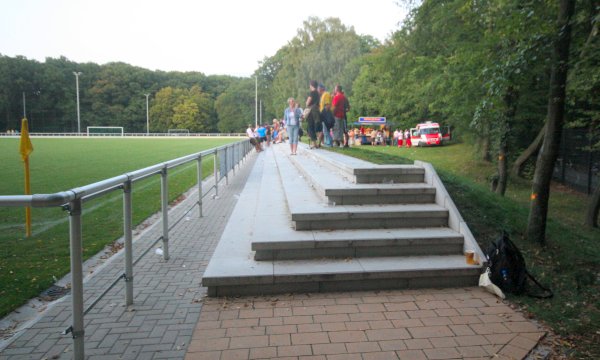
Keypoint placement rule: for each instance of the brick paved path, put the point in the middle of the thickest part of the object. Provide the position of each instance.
(402, 324)
(167, 295)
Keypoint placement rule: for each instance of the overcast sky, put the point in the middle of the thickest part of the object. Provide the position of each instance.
(226, 37)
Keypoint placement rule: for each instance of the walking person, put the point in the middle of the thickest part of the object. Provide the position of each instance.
(291, 117)
(326, 116)
(339, 114)
(313, 117)
(400, 137)
(345, 121)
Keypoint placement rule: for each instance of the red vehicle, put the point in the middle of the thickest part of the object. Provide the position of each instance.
(429, 134)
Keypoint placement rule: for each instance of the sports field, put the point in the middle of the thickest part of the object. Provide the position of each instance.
(29, 265)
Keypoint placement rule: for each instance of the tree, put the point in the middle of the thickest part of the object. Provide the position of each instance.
(161, 111)
(324, 50)
(540, 193)
(189, 109)
(235, 107)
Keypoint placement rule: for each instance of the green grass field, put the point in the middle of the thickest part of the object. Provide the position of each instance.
(569, 263)
(28, 265)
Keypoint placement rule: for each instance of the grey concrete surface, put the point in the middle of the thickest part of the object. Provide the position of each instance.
(277, 238)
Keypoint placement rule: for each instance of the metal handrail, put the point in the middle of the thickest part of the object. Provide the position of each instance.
(73, 200)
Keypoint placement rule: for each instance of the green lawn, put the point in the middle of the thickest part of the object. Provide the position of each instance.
(28, 265)
(569, 264)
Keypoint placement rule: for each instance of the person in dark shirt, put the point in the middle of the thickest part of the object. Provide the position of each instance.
(313, 119)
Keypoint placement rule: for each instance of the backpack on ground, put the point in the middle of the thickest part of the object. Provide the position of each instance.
(508, 270)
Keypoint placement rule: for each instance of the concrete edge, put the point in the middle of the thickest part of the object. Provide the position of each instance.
(455, 220)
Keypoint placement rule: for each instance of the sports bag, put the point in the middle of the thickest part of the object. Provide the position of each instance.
(508, 270)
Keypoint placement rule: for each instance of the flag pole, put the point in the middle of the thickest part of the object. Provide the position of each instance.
(27, 192)
(25, 148)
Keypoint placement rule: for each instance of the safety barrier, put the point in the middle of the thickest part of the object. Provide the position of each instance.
(70, 134)
(225, 157)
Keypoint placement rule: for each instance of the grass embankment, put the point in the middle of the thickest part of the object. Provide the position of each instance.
(28, 265)
(569, 263)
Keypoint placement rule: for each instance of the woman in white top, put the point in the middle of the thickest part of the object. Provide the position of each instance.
(291, 117)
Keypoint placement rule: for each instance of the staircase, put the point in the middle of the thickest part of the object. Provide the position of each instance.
(322, 221)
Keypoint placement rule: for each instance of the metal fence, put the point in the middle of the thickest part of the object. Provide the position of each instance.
(224, 161)
(73, 134)
(576, 166)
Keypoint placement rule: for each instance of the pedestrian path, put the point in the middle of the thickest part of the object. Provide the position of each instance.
(167, 294)
(460, 323)
(172, 319)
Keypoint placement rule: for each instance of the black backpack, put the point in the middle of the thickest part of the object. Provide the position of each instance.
(327, 119)
(508, 270)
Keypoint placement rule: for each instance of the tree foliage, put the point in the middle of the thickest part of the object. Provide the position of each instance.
(323, 50)
(110, 95)
(236, 106)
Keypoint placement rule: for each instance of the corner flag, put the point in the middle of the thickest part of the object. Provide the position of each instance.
(25, 148)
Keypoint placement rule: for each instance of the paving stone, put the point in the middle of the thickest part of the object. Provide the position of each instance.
(310, 338)
(380, 355)
(294, 350)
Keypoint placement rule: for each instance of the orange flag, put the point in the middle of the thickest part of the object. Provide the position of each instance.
(25, 147)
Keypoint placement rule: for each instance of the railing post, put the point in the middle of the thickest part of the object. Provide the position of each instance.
(164, 195)
(234, 155)
(128, 234)
(216, 174)
(76, 278)
(226, 167)
(200, 186)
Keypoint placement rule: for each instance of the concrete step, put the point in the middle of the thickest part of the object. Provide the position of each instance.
(382, 194)
(363, 172)
(370, 217)
(263, 213)
(393, 174)
(353, 274)
(339, 188)
(310, 210)
(279, 245)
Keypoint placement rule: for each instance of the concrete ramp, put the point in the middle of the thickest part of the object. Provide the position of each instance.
(323, 221)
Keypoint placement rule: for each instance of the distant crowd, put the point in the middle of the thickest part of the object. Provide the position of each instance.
(325, 117)
(327, 124)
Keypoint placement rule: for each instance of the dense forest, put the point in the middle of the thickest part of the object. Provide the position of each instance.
(485, 68)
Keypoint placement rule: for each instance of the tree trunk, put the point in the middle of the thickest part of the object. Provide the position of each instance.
(510, 101)
(485, 149)
(527, 153)
(502, 169)
(591, 216)
(538, 211)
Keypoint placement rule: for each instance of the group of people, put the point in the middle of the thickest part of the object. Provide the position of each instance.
(381, 136)
(402, 136)
(266, 133)
(325, 118)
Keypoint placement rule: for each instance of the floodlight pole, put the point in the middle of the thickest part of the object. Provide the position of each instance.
(147, 116)
(256, 101)
(77, 73)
